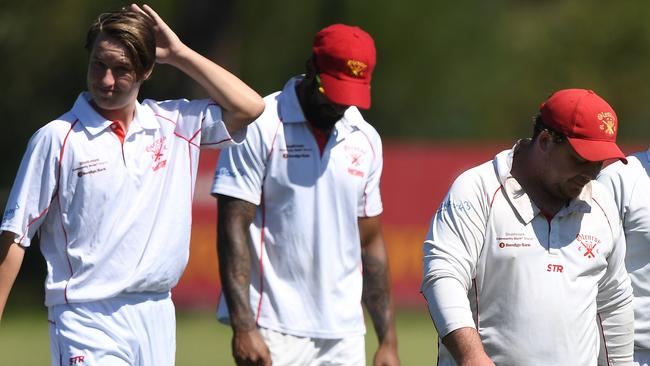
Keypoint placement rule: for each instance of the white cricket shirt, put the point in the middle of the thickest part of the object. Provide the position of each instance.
(306, 279)
(536, 290)
(630, 186)
(113, 217)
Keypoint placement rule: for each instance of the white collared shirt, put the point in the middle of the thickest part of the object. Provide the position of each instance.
(630, 187)
(532, 287)
(308, 281)
(112, 217)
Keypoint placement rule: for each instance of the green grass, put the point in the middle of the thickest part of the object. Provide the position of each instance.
(201, 340)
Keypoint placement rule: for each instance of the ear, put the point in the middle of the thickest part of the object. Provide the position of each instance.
(545, 141)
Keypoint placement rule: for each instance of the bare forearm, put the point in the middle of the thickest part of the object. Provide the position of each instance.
(11, 258)
(235, 282)
(465, 346)
(240, 103)
(376, 294)
(235, 260)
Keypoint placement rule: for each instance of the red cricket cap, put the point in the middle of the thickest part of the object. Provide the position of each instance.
(345, 58)
(587, 120)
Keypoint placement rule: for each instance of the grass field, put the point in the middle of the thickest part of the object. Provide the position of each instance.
(201, 340)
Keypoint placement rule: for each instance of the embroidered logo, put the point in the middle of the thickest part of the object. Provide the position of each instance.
(92, 166)
(588, 245)
(609, 122)
(356, 68)
(76, 360)
(355, 156)
(157, 149)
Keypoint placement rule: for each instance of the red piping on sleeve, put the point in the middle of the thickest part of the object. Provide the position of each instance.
(65, 233)
(602, 334)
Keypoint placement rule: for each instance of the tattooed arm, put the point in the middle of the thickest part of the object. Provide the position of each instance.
(234, 218)
(376, 290)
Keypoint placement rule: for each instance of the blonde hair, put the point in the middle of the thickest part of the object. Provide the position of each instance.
(132, 29)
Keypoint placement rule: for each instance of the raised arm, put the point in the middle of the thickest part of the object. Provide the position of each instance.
(234, 218)
(376, 289)
(11, 258)
(240, 104)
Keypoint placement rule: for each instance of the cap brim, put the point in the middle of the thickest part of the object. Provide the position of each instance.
(594, 150)
(346, 92)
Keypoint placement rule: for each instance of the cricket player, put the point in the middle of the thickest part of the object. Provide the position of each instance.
(629, 185)
(524, 260)
(299, 233)
(108, 187)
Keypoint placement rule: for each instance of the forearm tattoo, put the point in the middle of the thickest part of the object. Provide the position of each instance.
(376, 292)
(235, 259)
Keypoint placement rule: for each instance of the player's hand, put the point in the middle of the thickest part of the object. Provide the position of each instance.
(249, 349)
(386, 355)
(168, 45)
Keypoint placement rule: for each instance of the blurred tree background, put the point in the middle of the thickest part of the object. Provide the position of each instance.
(464, 70)
(447, 70)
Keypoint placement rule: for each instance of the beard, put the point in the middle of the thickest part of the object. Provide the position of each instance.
(323, 117)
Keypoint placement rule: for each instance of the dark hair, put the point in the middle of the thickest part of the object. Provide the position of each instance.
(539, 126)
(132, 29)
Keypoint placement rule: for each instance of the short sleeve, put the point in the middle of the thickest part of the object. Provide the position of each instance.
(34, 187)
(198, 121)
(370, 203)
(241, 168)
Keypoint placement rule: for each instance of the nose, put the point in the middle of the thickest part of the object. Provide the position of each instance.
(107, 78)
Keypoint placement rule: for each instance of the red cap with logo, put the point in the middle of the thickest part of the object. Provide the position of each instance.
(345, 58)
(587, 120)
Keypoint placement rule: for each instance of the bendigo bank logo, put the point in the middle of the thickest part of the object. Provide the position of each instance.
(609, 122)
(356, 68)
(588, 245)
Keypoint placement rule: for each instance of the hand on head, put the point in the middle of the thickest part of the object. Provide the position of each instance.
(168, 45)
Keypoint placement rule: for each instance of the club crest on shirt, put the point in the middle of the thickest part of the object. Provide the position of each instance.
(355, 156)
(588, 245)
(90, 166)
(157, 150)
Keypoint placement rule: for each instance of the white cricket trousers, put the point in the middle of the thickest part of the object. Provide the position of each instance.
(127, 330)
(289, 350)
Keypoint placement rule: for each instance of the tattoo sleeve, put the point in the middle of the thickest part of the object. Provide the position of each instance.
(376, 283)
(235, 258)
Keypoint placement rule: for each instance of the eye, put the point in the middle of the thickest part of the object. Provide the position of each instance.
(98, 65)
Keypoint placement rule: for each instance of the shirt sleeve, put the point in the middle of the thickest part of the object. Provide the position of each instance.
(198, 121)
(615, 307)
(241, 168)
(34, 187)
(370, 201)
(451, 252)
(614, 301)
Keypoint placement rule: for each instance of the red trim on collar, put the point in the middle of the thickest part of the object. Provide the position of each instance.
(116, 127)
